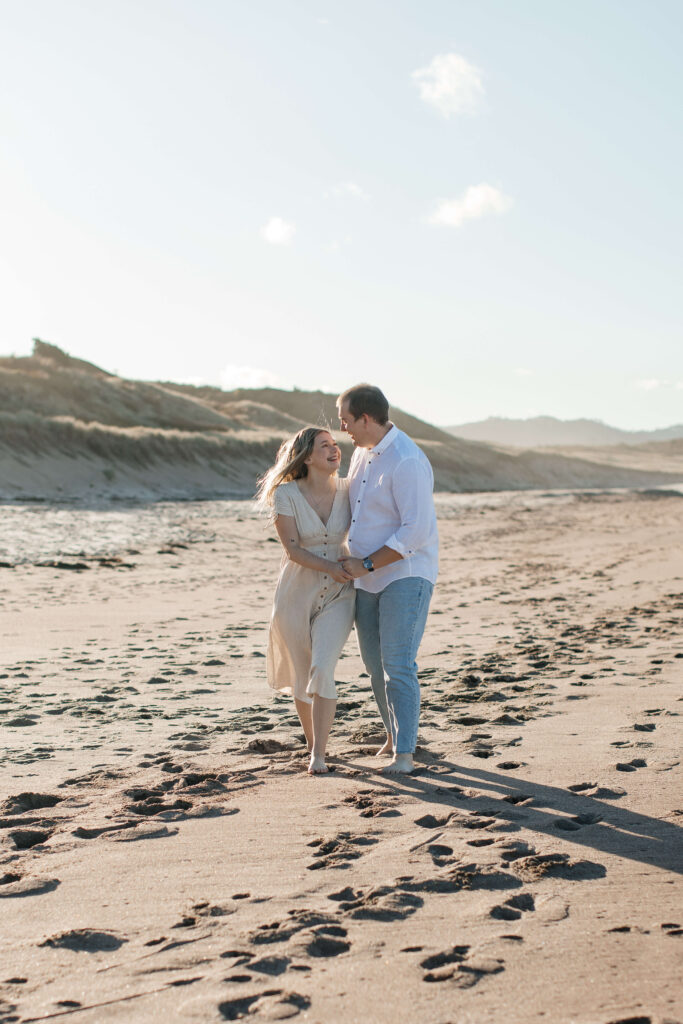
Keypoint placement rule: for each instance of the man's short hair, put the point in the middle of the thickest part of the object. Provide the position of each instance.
(365, 398)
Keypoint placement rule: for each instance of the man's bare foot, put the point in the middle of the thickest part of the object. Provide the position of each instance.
(401, 764)
(317, 766)
(388, 747)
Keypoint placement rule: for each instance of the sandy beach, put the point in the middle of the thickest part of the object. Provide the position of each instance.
(165, 856)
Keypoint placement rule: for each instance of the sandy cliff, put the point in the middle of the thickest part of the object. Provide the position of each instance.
(69, 429)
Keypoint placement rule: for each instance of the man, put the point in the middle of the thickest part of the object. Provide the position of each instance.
(393, 544)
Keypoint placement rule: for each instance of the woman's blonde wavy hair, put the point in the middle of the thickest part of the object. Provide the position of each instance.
(290, 464)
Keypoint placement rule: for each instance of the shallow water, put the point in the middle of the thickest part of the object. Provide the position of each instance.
(36, 532)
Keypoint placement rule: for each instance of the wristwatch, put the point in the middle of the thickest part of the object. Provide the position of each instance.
(367, 564)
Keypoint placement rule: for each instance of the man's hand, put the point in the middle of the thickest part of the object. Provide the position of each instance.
(354, 567)
(339, 574)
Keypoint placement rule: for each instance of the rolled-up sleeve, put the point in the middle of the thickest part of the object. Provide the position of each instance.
(412, 487)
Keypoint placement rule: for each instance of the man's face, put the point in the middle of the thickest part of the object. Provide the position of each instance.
(357, 429)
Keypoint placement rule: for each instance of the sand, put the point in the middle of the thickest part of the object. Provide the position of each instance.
(164, 855)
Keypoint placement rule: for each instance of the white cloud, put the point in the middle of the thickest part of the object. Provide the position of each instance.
(650, 384)
(347, 188)
(476, 201)
(278, 231)
(679, 385)
(521, 372)
(232, 377)
(451, 84)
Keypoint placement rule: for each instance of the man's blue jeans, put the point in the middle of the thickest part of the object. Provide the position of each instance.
(390, 627)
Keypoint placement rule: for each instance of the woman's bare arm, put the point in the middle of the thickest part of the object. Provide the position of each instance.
(289, 538)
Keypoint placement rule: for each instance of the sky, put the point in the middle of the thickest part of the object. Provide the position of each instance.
(474, 204)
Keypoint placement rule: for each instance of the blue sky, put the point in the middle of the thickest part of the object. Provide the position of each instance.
(475, 205)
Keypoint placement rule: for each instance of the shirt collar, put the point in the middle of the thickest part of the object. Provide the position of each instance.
(388, 439)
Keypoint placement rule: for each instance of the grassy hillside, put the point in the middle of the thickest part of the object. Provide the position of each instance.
(69, 429)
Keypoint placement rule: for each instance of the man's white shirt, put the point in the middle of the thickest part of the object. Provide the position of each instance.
(392, 503)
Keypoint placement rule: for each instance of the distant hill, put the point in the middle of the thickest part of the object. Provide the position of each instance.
(69, 429)
(547, 431)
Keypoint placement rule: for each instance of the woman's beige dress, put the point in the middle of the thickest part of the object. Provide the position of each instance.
(312, 614)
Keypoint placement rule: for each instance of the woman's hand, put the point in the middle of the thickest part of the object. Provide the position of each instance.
(339, 573)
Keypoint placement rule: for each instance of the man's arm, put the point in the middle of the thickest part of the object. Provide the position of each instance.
(383, 556)
(412, 487)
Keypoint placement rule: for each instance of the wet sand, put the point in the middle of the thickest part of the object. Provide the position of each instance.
(164, 855)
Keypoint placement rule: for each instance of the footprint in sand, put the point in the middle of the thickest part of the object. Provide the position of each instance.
(512, 909)
(273, 1004)
(431, 821)
(272, 965)
(458, 967)
(523, 799)
(27, 838)
(85, 940)
(29, 802)
(337, 851)
(385, 903)
(283, 931)
(631, 766)
(596, 791)
(198, 914)
(158, 801)
(323, 941)
(556, 865)
(372, 803)
(440, 854)
(636, 1020)
(13, 884)
(458, 876)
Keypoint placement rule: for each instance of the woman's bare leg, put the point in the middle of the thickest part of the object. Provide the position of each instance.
(323, 717)
(305, 712)
(388, 747)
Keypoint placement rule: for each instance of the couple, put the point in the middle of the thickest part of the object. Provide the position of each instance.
(363, 548)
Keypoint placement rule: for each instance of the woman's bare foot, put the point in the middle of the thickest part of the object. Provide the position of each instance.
(401, 764)
(317, 766)
(388, 747)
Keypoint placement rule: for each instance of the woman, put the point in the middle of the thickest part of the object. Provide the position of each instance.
(314, 600)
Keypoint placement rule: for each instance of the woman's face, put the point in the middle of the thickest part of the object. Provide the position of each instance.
(326, 456)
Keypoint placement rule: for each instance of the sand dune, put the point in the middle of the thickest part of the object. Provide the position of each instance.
(71, 430)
